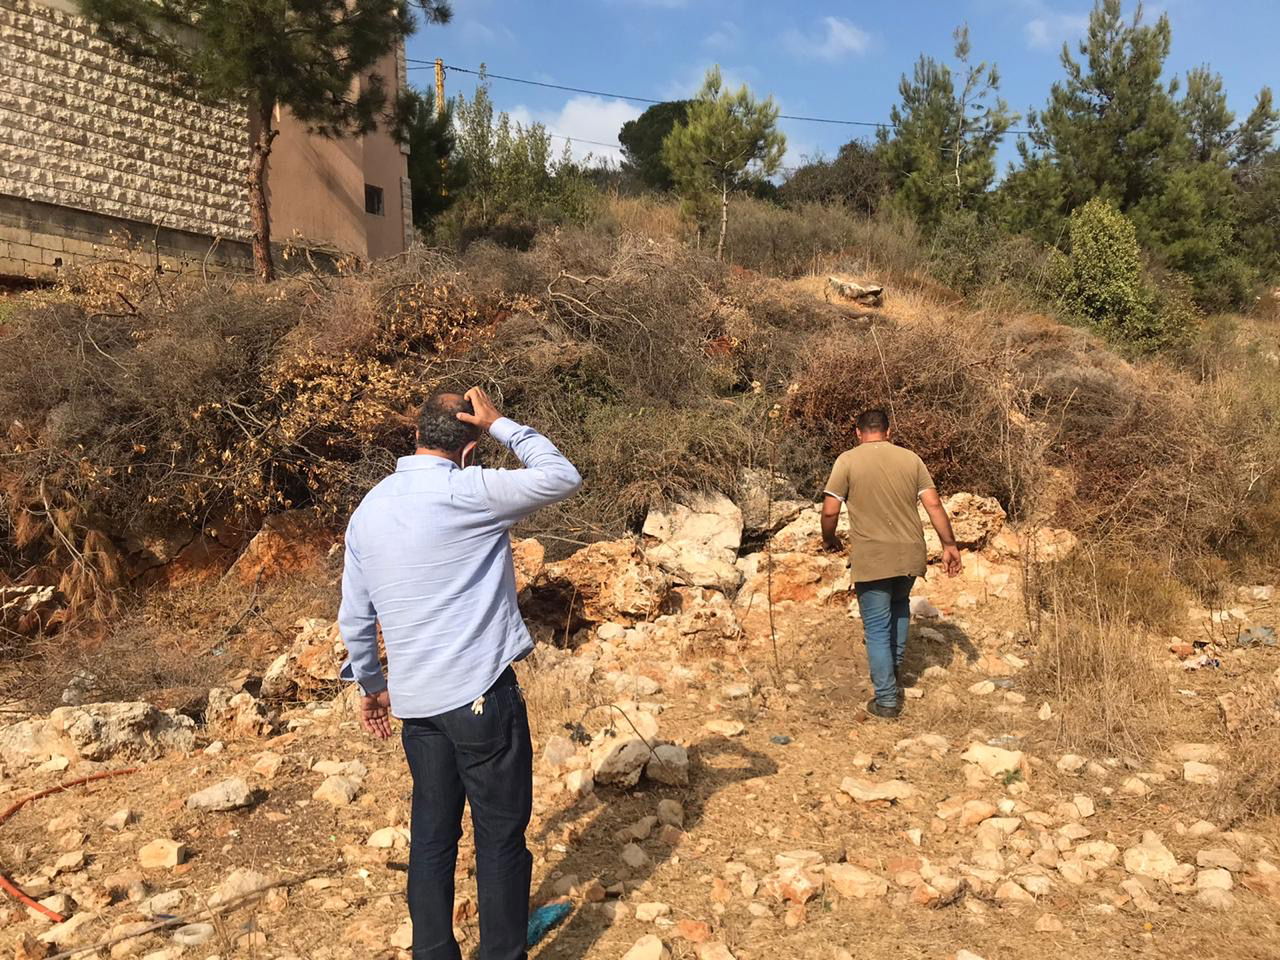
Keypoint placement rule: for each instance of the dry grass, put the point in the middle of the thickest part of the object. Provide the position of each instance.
(1104, 677)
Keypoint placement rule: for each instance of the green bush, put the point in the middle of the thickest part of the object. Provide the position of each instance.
(1102, 282)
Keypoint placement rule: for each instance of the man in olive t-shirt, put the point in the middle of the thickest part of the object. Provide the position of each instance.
(880, 483)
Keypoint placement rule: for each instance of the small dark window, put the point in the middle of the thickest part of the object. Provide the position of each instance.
(372, 199)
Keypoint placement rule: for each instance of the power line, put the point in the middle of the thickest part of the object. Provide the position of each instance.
(424, 64)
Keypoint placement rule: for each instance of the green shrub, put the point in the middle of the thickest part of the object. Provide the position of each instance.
(1102, 283)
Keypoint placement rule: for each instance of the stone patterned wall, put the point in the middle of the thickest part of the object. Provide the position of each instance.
(82, 128)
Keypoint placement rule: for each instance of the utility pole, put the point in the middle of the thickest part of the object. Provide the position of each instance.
(439, 86)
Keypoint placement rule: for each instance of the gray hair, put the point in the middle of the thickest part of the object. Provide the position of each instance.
(438, 425)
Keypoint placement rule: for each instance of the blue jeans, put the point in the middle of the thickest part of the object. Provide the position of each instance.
(885, 606)
(487, 759)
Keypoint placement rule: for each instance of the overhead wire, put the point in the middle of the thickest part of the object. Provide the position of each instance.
(424, 64)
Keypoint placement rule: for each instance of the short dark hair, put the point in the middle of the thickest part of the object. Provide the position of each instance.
(438, 425)
(873, 421)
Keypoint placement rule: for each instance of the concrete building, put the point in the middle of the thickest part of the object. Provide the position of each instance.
(92, 150)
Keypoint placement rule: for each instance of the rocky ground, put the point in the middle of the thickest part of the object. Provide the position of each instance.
(707, 783)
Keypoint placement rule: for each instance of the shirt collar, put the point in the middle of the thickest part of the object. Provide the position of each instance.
(423, 461)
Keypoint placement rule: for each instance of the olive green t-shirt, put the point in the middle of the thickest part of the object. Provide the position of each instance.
(881, 483)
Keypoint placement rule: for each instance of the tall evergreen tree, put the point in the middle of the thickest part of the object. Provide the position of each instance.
(941, 153)
(725, 134)
(312, 57)
(1114, 129)
(436, 175)
(642, 140)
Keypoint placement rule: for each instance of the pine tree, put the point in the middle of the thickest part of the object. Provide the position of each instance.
(642, 140)
(725, 134)
(312, 57)
(1114, 129)
(436, 175)
(940, 156)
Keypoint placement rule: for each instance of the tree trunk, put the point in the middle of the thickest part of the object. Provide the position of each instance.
(724, 217)
(260, 216)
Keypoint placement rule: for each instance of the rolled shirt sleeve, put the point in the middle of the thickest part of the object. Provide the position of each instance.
(837, 484)
(923, 480)
(547, 476)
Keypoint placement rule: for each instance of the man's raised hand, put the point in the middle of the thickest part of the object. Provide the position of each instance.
(483, 414)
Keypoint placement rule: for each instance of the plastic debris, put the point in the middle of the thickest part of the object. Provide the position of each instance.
(545, 919)
(781, 739)
(1257, 636)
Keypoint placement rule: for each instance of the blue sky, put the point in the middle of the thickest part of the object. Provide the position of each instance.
(827, 59)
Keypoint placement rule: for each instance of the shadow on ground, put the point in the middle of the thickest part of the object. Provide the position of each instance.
(594, 851)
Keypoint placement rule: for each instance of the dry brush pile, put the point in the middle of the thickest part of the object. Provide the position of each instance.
(139, 409)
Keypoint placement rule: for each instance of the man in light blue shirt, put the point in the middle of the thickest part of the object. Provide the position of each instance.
(428, 559)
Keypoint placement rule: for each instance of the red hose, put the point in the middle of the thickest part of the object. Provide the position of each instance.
(5, 883)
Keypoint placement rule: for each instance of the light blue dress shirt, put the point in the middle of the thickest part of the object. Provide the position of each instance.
(428, 556)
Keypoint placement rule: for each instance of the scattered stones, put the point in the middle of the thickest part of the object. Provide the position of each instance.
(1202, 774)
(389, 838)
(648, 947)
(1135, 787)
(649, 912)
(230, 794)
(238, 714)
(1220, 857)
(238, 884)
(1214, 878)
(725, 728)
(1198, 752)
(669, 764)
(671, 813)
(995, 761)
(1048, 923)
(854, 882)
(868, 791)
(162, 854)
(634, 856)
(1216, 899)
(194, 934)
(1071, 763)
(697, 544)
(1151, 858)
(619, 761)
(336, 791)
(558, 751)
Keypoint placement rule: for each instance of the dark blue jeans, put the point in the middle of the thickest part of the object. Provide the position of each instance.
(885, 607)
(486, 759)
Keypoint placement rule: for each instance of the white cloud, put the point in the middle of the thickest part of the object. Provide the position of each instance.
(583, 118)
(479, 34)
(1050, 30)
(724, 37)
(687, 85)
(836, 39)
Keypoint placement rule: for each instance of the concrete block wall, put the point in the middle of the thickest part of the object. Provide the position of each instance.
(82, 128)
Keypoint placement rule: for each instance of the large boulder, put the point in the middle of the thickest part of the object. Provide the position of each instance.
(309, 669)
(700, 619)
(696, 543)
(974, 520)
(609, 581)
(762, 513)
(27, 610)
(238, 714)
(288, 543)
(529, 558)
(804, 533)
(98, 731)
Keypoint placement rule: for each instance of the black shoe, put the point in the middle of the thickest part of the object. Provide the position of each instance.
(876, 709)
